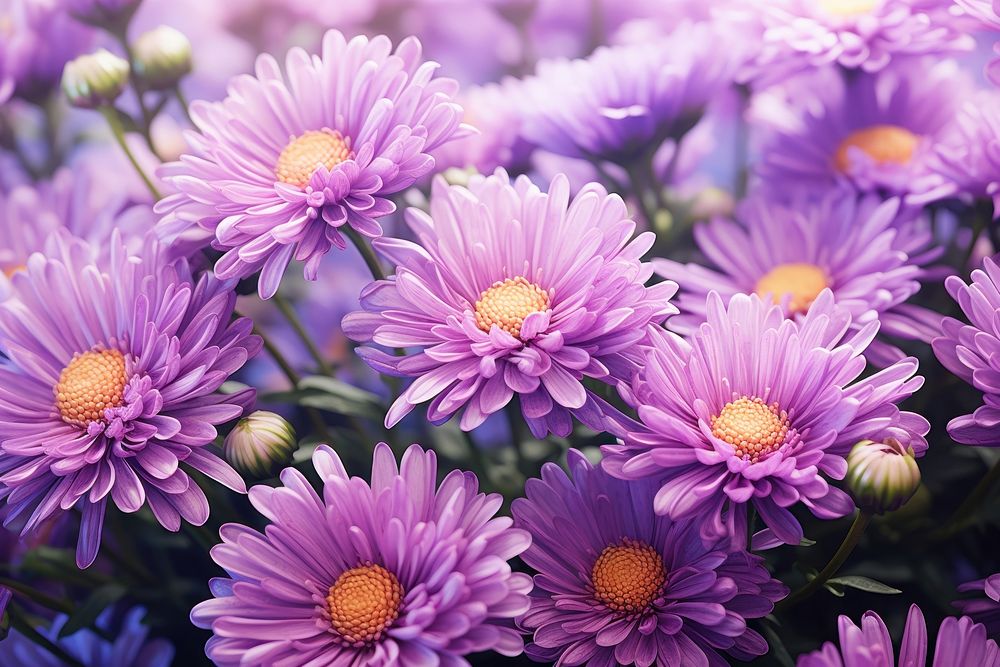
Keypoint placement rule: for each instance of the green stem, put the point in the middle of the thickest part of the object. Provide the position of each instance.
(37, 596)
(184, 104)
(518, 433)
(147, 117)
(366, 251)
(851, 540)
(963, 515)
(978, 227)
(25, 627)
(293, 319)
(111, 115)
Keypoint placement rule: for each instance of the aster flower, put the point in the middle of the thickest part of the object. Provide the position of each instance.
(987, 12)
(399, 572)
(755, 410)
(875, 132)
(985, 609)
(960, 643)
(284, 162)
(131, 646)
(623, 100)
(511, 291)
(969, 155)
(856, 34)
(871, 254)
(112, 383)
(29, 214)
(969, 351)
(618, 584)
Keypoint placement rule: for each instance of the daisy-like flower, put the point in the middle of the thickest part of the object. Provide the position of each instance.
(970, 352)
(755, 409)
(960, 643)
(284, 162)
(399, 572)
(623, 100)
(866, 251)
(984, 609)
(29, 214)
(112, 382)
(987, 12)
(511, 290)
(131, 646)
(969, 155)
(875, 132)
(618, 584)
(854, 34)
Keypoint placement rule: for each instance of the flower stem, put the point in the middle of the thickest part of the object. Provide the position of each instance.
(964, 513)
(851, 540)
(182, 100)
(293, 319)
(111, 115)
(366, 251)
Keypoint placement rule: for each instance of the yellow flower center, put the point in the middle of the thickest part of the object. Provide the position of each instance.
(91, 383)
(752, 427)
(508, 302)
(628, 577)
(803, 282)
(305, 153)
(847, 8)
(885, 144)
(9, 271)
(363, 603)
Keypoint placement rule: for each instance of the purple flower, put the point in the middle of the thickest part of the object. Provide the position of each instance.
(985, 11)
(970, 352)
(112, 382)
(869, 253)
(855, 34)
(960, 643)
(511, 290)
(400, 572)
(131, 646)
(875, 132)
(624, 100)
(619, 584)
(755, 409)
(985, 610)
(37, 37)
(285, 161)
(29, 214)
(969, 155)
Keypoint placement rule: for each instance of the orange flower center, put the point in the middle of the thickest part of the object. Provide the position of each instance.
(508, 302)
(628, 577)
(847, 8)
(363, 603)
(885, 144)
(305, 153)
(752, 427)
(802, 282)
(91, 383)
(9, 271)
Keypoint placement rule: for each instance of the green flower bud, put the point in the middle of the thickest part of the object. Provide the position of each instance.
(881, 476)
(95, 79)
(161, 58)
(260, 444)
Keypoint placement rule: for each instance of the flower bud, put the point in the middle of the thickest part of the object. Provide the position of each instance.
(95, 79)
(161, 58)
(881, 476)
(260, 444)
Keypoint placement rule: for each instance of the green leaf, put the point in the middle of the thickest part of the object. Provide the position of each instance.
(865, 584)
(806, 542)
(87, 613)
(331, 395)
(778, 650)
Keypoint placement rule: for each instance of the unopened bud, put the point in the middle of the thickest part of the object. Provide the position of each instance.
(260, 444)
(881, 476)
(95, 79)
(161, 58)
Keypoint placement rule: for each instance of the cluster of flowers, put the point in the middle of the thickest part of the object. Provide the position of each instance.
(734, 387)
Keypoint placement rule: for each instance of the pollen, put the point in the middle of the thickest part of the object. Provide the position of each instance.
(508, 302)
(305, 153)
(752, 427)
(363, 603)
(802, 282)
(91, 383)
(847, 8)
(885, 144)
(628, 577)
